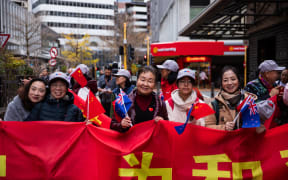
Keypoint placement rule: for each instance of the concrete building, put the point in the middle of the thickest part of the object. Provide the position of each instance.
(79, 17)
(93, 17)
(169, 17)
(23, 3)
(137, 11)
(18, 22)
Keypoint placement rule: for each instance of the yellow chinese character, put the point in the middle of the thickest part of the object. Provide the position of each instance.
(143, 172)
(212, 171)
(284, 154)
(2, 166)
(255, 167)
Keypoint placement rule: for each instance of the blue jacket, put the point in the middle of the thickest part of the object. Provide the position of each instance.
(56, 110)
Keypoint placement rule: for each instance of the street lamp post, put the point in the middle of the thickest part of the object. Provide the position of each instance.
(125, 46)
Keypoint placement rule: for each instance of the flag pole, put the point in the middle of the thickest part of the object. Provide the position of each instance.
(88, 104)
(126, 113)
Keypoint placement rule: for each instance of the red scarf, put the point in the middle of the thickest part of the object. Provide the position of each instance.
(143, 101)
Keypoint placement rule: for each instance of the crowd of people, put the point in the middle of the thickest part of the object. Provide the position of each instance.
(49, 97)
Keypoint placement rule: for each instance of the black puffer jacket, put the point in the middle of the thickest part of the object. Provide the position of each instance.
(56, 110)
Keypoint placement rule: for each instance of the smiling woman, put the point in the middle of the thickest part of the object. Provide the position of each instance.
(146, 105)
(28, 96)
(225, 103)
(58, 104)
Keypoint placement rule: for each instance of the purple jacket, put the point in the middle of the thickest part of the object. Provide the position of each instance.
(160, 110)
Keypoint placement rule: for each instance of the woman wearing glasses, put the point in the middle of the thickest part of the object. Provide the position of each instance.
(58, 104)
(182, 99)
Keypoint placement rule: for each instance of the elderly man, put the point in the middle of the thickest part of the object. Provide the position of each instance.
(264, 86)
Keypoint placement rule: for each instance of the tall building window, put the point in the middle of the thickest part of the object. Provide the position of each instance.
(196, 6)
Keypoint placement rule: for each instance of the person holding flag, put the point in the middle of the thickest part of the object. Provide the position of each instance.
(230, 100)
(146, 104)
(227, 100)
(183, 98)
(123, 83)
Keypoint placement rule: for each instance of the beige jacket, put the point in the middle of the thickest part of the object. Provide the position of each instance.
(225, 113)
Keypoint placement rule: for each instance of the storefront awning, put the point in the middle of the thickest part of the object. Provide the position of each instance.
(197, 48)
(233, 19)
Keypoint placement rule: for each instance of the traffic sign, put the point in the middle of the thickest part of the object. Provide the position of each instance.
(53, 52)
(4, 39)
(52, 62)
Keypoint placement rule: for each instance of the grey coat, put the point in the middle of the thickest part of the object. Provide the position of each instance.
(15, 110)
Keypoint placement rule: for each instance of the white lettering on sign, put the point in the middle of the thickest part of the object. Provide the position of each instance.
(166, 49)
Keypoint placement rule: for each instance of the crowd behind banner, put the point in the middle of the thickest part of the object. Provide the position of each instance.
(71, 96)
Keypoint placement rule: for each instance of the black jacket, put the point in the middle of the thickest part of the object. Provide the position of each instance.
(56, 110)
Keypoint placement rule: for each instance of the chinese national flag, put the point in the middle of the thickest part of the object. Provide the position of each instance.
(201, 110)
(79, 77)
(79, 102)
(95, 111)
(102, 120)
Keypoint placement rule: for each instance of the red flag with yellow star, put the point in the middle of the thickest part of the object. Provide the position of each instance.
(201, 109)
(102, 120)
(79, 102)
(79, 77)
(95, 111)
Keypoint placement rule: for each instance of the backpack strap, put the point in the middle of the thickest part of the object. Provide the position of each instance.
(215, 105)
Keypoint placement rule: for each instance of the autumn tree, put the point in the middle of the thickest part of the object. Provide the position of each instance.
(77, 50)
(9, 65)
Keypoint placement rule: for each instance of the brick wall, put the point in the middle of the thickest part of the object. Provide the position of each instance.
(280, 32)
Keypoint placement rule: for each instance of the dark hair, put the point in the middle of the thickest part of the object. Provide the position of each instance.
(127, 82)
(87, 77)
(24, 91)
(108, 68)
(235, 71)
(146, 69)
(172, 77)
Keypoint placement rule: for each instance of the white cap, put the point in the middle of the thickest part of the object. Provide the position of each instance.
(170, 65)
(123, 72)
(270, 65)
(59, 75)
(84, 68)
(186, 72)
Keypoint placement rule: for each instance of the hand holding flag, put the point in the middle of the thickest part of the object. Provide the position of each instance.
(249, 114)
(198, 110)
(122, 104)
(95, 111)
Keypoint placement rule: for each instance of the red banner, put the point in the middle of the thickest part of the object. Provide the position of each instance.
(62, 150)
